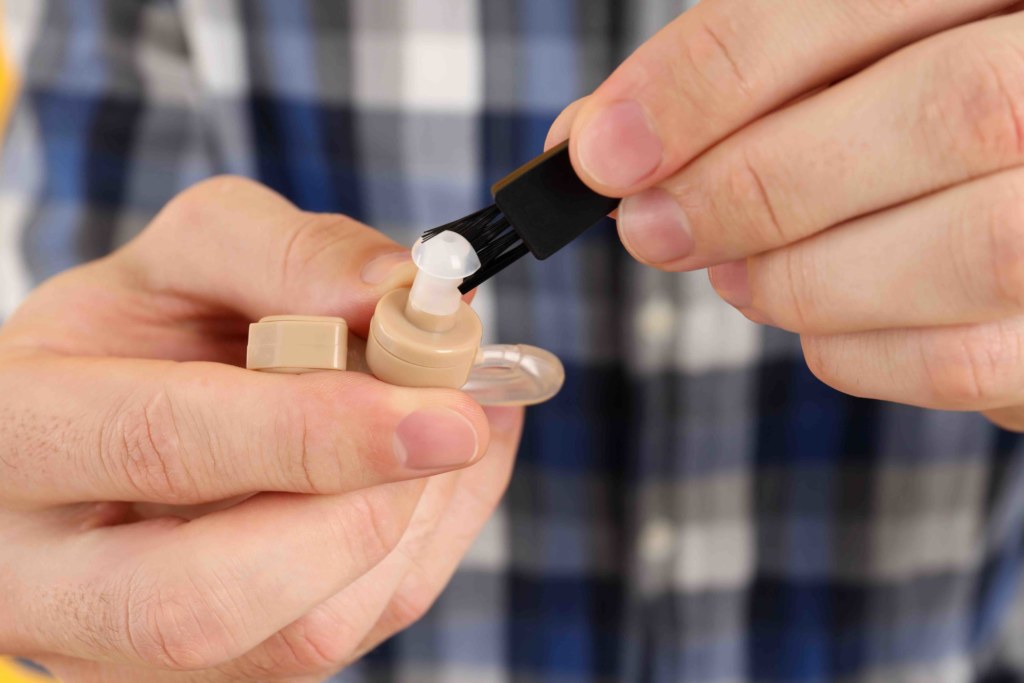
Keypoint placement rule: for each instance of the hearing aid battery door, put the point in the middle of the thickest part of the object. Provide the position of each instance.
(297, 344)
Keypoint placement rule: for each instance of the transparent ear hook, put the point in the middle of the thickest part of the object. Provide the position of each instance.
(514, 375)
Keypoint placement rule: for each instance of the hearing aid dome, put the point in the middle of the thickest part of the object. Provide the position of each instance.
(443, 263)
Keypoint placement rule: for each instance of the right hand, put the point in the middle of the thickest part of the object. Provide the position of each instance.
(163, 517)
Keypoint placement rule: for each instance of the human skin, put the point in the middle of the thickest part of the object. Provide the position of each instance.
(849, 171)
(268, 527)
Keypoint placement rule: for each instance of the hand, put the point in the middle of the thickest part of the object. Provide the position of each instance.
(851, 171)
(278, 525)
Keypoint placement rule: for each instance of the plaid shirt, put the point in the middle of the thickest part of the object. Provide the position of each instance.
(694, 506)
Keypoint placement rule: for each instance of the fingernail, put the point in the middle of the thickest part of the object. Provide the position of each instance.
(619, 147)
(732, 282)
(654, 227)
(435, 438)
(379, 269)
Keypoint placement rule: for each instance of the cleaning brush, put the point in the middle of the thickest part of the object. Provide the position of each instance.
(538, 209)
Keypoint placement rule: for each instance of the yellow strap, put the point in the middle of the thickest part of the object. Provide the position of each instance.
(12, 672)
(8, 81)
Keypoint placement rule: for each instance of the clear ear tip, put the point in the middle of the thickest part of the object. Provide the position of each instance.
(443, 262)
(448, 255)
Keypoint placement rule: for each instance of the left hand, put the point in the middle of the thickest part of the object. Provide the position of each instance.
(851, 171)
(165, 518)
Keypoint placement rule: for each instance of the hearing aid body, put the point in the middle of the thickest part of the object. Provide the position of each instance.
(423, 336)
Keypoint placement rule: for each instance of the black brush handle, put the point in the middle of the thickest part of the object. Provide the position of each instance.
(547, 203)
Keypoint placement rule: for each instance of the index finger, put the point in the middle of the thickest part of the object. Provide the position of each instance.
(233, 243)
(725, 63)
(95, 429)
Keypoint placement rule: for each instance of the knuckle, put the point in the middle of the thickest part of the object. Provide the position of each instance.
(1005, 232)
(745, 203)
(316, 453)
(220, 185)
(172, 625)
(300, 457)
(318, 642)
(707, 72)
(148, 444)
(977, 103)
(715, 53)
(968, 368)
(191, 206)
(309, 650)
(409, 605)
(322, 451)
(314, 237)
(371, 530)
(313, 644)
(799, 290)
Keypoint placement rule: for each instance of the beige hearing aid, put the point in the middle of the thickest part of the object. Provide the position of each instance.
(426, 336)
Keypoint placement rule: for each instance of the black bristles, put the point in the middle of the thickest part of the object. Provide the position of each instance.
(494, 240)
(489, 269)
(538, 209)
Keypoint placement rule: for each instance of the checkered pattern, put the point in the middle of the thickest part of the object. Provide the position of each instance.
(694, 506)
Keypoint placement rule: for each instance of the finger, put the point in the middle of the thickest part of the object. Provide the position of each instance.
(233, 242)
(723, 64)
(184, 433)
(192, 595)
(939, 113)
(970, 367)
(951, 258)
(326, 636)
(480, 490)
(1011, 419)
(85, 671)
(559, 131)
(401, 588)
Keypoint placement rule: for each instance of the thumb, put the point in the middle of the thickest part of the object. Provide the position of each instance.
(233, 243)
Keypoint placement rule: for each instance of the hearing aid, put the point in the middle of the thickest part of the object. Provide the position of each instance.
(420, 336)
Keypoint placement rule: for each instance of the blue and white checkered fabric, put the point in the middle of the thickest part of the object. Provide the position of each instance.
(694, 506)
